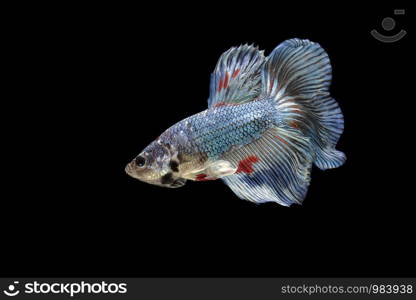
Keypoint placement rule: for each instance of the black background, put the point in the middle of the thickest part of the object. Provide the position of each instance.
(94, 85)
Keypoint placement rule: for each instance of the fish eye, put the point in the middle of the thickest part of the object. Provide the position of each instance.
(140, 161)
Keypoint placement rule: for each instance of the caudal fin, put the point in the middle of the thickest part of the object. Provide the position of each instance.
(296, 77)
(275, 167)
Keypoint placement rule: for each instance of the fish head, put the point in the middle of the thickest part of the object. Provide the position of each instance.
(156, 164)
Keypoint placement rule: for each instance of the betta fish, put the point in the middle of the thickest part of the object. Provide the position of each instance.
(268, 120)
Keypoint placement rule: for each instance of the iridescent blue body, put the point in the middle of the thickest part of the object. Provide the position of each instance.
(215, 131)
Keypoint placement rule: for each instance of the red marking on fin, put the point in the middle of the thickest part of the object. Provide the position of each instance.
(294, 124)
(235, 73)
(220, 85)
(297, 109)
(203, 177)
(280, 139)
(219, 104)
(226, 80)
(246, 165)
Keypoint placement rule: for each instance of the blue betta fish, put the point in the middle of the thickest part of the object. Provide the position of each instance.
(268, 119)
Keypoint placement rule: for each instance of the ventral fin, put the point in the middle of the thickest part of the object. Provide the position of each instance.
(213, 171)
(274, 168)
(236, 78)
(221, 168)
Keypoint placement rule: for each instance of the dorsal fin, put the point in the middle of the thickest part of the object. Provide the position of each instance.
(236, 78)
(296, 67)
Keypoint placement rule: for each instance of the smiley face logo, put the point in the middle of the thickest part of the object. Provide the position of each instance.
(388, 24)
(11, 289)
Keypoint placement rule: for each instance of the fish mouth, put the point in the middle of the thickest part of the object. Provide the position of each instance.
(129, 169)
(132, 171)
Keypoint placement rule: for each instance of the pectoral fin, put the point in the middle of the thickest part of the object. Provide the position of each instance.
(221, 168)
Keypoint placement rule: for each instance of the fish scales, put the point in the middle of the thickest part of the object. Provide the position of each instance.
(214, 131)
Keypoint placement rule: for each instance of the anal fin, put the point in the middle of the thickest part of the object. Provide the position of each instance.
(221, 168)
(274, 168)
